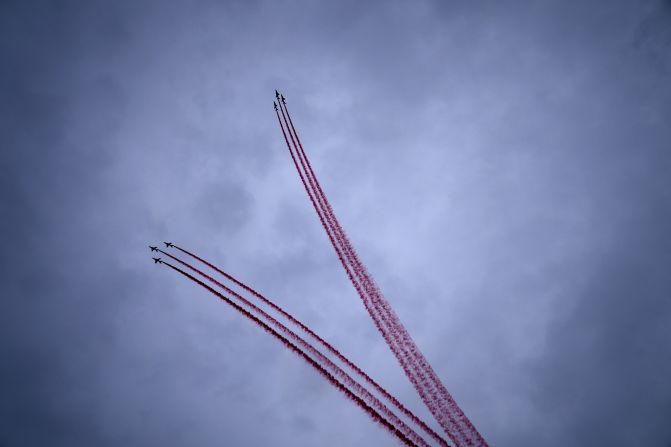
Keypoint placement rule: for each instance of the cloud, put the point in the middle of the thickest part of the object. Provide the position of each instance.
(501, 169)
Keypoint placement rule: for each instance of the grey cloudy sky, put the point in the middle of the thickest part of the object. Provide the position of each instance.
(502, 168)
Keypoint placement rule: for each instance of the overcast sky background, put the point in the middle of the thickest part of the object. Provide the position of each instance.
(503, 168)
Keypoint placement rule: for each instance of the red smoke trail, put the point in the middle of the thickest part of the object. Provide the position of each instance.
(356, 399)
(309, 348)
(323, 210)
(320, 340)
(335, 246)
(350, 253)
(401, 357)
(323, 360)
(443, 406)
(456, 418)
(400, 349)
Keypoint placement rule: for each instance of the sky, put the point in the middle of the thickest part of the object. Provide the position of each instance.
(501, 167)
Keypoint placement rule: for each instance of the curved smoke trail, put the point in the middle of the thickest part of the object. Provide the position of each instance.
(392, 399)
(316, 354)
(440, 403)
(377, 417)
(403, 350)
(378, 312)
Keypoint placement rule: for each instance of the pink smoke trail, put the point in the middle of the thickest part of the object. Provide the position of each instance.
(321, 341)
(399, 347)
(402, 357)
(332, 380)
(456, 419)
(321, 359)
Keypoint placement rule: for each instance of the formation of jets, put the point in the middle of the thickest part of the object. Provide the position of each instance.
(155, 248)
(279, 98)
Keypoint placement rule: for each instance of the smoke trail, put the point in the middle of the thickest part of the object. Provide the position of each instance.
(394, 401)
(400, 348)
(357, 266)
(323, 360)
(402, 357)
(363, 296)
(457, 420)
(391, 334)
(442, 406)
(349, 394)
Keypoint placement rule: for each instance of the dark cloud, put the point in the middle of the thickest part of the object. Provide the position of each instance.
(652, 38)
(604, 364)
(503, 170)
